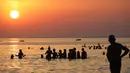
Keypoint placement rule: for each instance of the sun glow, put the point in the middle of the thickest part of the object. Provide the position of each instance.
(14, 14)
(13, 41)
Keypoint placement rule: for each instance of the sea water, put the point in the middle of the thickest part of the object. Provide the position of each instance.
(32, 63)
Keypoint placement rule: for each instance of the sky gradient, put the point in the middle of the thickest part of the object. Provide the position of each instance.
(65, 18)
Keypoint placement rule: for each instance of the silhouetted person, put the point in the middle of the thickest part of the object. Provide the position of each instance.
(74, 53)
(48, 53)
(78, 55)
(105, 47)
(12, 56)
(70, 54)
(64, 54)
(60, 54)
(84, 45)
(103, 53)
(54, 54)
(41, 48)
(94, 47)
(114, 54)
(28, 47)
(99, 46)
(89, 47)
(84, 54)
(20, 54)
(42, 56)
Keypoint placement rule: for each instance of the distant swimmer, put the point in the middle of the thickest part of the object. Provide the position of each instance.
(114, 54)
(42, 56)
(99, 46)
(103, 53)
(84, 45)
(12, 56)
(28, 47)
(89, 47)
(41, 48)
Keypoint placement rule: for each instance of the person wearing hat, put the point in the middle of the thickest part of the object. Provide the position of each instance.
(114, 55)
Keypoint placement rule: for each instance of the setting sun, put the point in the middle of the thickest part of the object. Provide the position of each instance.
(14, 14)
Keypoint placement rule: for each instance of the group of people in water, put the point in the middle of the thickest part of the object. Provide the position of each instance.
(20, 55)
(52, 54)
(72, 54)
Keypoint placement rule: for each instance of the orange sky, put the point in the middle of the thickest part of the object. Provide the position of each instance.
(65, 18)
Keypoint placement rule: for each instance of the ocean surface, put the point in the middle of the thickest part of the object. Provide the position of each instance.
(32, 63)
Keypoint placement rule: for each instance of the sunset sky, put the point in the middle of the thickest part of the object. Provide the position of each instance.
(65, 18)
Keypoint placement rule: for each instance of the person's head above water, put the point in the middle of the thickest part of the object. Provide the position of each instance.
(20, 50)
(49, 48)
(112, 39)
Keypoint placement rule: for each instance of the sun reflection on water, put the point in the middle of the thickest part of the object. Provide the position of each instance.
(13, 49)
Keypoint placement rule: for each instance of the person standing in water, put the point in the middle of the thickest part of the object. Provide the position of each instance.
(54, 53)
(78, 55)
(114, 55)
(48, 53)
(83, 54)
(60, 54)
(64, 54)
(20, 54)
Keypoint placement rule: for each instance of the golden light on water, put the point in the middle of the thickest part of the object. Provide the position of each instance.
(13, 41)
(13, 49)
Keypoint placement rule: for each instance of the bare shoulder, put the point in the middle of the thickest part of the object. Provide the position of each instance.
(119, 44)
(123, 47)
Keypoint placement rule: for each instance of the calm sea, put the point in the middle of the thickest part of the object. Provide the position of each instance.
(54, 41)
(32, 63)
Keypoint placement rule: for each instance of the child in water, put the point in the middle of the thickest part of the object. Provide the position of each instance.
(12, 56)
